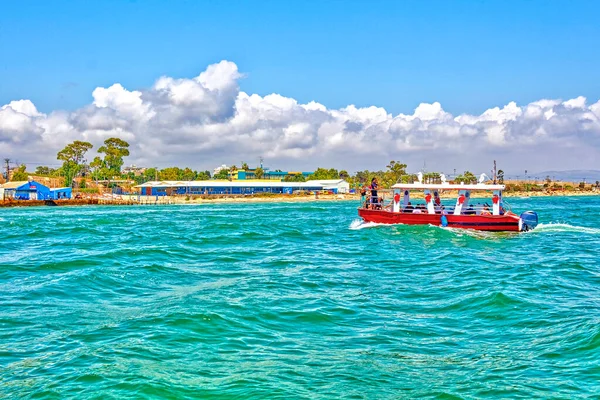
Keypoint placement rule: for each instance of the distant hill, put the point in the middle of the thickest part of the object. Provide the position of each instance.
(578, 175)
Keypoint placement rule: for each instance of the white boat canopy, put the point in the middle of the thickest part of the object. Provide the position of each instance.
(447, 186)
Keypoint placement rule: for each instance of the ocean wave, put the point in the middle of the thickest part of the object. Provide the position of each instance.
(358, 224)
(119, 302)
(559, 227)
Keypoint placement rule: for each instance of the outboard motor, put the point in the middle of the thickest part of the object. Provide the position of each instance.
(528, 221)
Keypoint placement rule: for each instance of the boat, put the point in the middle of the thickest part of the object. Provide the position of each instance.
(492, 215)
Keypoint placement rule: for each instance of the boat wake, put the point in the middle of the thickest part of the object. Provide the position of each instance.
(557, 227)
(360, 224)
(475, 233)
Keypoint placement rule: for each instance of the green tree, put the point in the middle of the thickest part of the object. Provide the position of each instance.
(203, 175)
(98, 168)
(245, 166)
(409, 178)
(393, 174)
(432, 177)
(259, 173)
(344, 174)
(222, 174)
(170, 174)
(73, 157)
(114, 150)
(360, 178)
(44, 171)
(58, 172)
(150, 174)
(20, 174)
(468, 178)
(501, 177)
(294, 178)
(323, 173)
(188, 175)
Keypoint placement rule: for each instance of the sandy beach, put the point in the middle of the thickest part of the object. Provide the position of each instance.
(263, 198)
(323, 197)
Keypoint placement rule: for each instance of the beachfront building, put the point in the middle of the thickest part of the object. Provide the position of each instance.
(133, 169)
(267, 174)
(333, 185)
(212, 187)
(219, 169)
(32, 190)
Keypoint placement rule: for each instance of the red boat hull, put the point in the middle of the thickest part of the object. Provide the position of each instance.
(498, 223)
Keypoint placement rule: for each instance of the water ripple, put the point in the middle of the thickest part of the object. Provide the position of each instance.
(295, 300)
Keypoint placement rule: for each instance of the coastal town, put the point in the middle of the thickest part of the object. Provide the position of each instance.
(105, 180)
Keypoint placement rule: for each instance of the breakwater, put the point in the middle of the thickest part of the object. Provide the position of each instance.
(37, 203)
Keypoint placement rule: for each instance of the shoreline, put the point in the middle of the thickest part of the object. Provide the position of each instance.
(181, 200)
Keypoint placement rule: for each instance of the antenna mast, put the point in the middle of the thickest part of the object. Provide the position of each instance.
(7, 161)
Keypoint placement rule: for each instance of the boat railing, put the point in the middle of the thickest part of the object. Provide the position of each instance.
(506, 205)
(383, 202)
(386, 198)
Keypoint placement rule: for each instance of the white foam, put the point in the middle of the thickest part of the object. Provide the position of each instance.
(360, 224)
(474, 233)
(557, 227)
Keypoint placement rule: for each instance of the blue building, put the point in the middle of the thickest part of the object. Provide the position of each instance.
(240, 174)
(168, 188)
(60, 193)
(32, 190)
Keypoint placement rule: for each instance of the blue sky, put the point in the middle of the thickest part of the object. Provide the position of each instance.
(468, 55)
(518, 82)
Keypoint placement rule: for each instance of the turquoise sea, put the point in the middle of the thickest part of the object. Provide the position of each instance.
(296, 300)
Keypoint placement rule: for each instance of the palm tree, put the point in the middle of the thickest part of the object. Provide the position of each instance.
(500, 176)
(245, 166)
(232, 170)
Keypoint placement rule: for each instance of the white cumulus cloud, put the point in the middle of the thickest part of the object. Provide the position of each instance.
(206, 121)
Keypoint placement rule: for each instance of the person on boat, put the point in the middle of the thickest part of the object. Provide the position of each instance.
(363, 196)
(470, 210)
(417, 210)
(409, 208)
(486, 210)
(436, 199)
(374, 197)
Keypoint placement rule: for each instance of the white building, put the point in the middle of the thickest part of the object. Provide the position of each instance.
(137, 171)
(219, 169)
(335, 185)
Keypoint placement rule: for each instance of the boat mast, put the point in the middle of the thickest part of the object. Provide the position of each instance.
(494, 172)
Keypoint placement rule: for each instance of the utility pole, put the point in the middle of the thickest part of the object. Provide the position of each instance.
(7, 161)
(495, 173)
